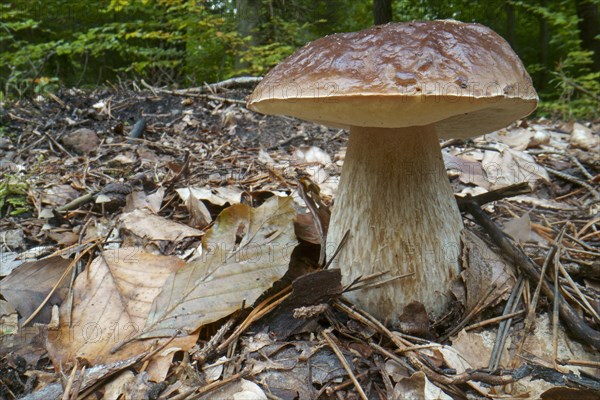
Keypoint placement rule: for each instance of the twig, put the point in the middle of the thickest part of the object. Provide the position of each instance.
(137, 130)
(204, 353)
(86, 198)
(494, 195)
(555, 309)
(345, 364)
(502, 334)
(572, 320)
(584, 300)
(259, 311)
(476, 309)
(494, 320)
(309, 192)
(286, 141)
(577, 181)
(580, 363)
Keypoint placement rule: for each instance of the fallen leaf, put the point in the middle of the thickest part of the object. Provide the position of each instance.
(28, 285)
(145, 224)
(483, 268)
(59, 195)
(244, 252)
(217, 196)
(516, 138)
(238, 390)
(520, 229)
(476, 347)
(582, 137)
(509, 166)
(469, 171)
(539, 346)
(312, 154)
(418, 387)
(111, 301)
(199, 214)
(116, 386)
(453, 359)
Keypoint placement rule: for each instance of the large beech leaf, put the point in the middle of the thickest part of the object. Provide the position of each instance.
(244, 253)
(110, 304)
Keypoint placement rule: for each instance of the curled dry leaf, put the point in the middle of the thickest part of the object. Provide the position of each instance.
(582, 137)
(144, 223)
(508, 166)
(237, 390)
(482, 269)
(243, 254)
(469, 170)
(218, 196)
(418, 387)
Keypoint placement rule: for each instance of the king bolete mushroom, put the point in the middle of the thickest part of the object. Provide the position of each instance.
(398, 88)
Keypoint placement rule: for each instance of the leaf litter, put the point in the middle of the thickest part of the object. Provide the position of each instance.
(203, 197)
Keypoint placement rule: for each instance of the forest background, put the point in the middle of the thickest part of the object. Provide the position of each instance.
(46, 45)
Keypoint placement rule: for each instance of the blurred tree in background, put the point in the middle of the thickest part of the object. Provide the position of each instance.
(44, 44)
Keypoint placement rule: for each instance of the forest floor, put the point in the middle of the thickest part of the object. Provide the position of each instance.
(110, 200)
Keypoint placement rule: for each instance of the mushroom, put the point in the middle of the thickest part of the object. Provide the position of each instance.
(398, 88)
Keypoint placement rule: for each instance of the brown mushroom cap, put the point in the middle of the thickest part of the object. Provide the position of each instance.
(461, 78)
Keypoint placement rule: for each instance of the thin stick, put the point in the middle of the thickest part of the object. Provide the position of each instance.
(501, 335)
(262, 309)
(580, 363)
(572, 320)
(342, 359)
(494, 320)
(584, 300)
(555, 314)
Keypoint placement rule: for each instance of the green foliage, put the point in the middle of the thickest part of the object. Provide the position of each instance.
(188, 42)
(13, 196)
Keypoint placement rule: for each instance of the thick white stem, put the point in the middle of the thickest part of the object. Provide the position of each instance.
(395, 200)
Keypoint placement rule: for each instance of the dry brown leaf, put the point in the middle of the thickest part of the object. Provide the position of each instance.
(453, 359)
(117, 386)
(200, 216)
(476, 347)
(469, 170)
(482, 269)
(28, 285)
(59, 195)
(538, 346)
(111, 302)
(508, 166)
(237, 390)
(139, 199)
(418, 387)
(245, 251)
(520, 229)
(516, 138)
(145, 224)
(582, 137)
(218, 196)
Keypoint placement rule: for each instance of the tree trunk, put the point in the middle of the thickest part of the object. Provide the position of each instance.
(589, 28)
(510, 25)
(544, 40)
(382, 10)
(248, 14)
